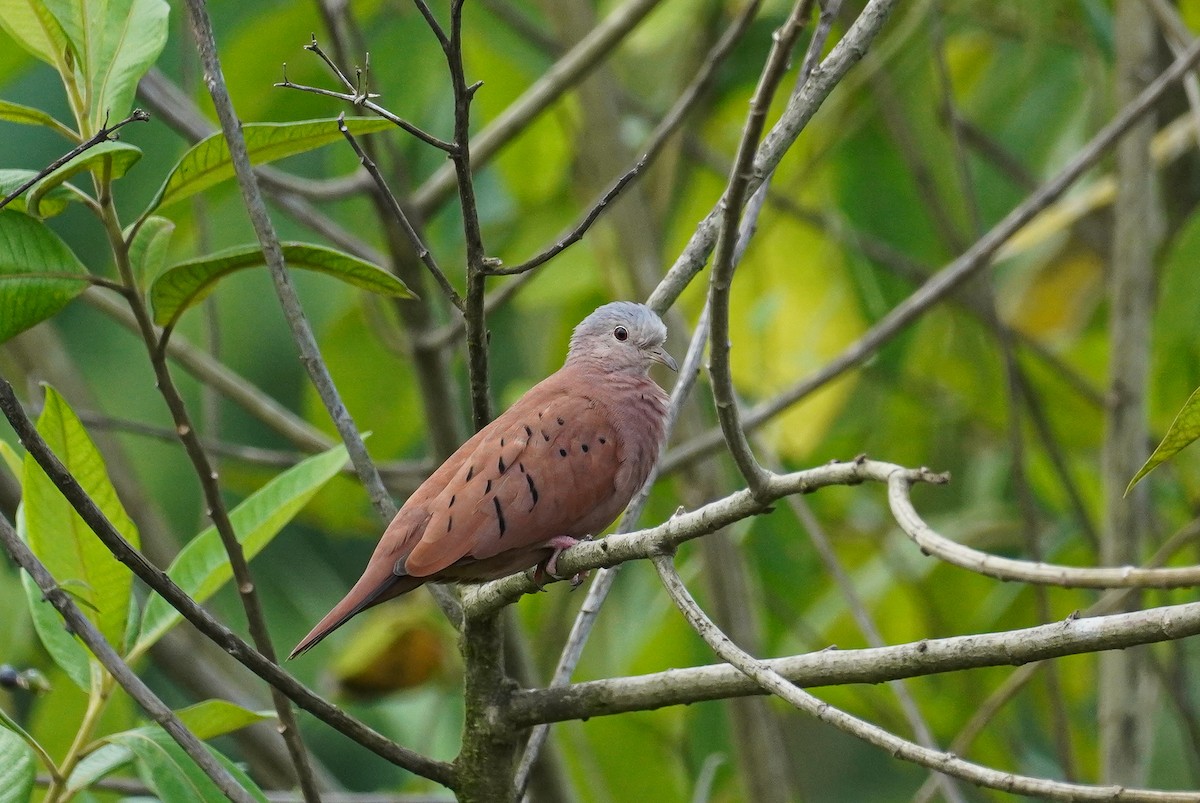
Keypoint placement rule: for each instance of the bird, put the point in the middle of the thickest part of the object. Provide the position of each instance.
(557, 467)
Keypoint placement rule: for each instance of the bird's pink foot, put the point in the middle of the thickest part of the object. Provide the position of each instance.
(549, 567)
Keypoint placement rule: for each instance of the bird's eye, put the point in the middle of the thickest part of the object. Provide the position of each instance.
(621, 333)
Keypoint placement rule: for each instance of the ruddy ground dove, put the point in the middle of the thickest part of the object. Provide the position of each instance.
(557, 466)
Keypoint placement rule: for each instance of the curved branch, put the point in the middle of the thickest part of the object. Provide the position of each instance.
(1026, 571)
(624, 547)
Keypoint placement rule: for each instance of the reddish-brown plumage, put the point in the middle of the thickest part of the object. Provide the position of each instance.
(563, 461)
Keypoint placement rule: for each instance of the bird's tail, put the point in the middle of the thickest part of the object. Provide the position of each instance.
(368, 591)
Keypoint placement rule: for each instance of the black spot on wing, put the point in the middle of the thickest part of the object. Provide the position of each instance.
(584, 447)
(560, 421)
(470, 473)
(452, 498)
(528, 432)
(499, 514)
(562, 452)
(603, 441)
(500, 465)
(487, 489)
(532, 490)
(449, 523)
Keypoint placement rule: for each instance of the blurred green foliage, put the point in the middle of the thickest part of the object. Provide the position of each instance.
(867, 201)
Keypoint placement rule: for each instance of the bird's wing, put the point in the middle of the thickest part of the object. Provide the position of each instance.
(547, 467)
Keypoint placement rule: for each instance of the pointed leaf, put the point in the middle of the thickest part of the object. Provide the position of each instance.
(58, 536)
(52, 203)
(17, 768)
(11, 459)
(1183, 430)
(208, 162)
(213, 718)
(114, 157)
(34, 28)
(27, 246)
(64, 648)
(202, 566)
(98, 763)
(169, 771)
(117, 41)
(148, 251)
(28, 115)
(187, 283)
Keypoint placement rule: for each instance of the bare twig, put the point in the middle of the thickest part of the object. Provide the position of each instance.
(81, 626)
(423, 252)
(800, 109)
(736, 194)
(566, 73)
(1028, 571)
(361, 101)
(103, 135)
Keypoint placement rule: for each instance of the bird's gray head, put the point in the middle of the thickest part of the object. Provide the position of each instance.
(621, 336)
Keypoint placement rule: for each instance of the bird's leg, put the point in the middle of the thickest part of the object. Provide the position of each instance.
(549, 567)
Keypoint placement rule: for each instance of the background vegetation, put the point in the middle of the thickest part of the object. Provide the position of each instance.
(956, 113)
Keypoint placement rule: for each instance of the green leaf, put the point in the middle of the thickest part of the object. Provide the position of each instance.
(64, 648)
(148, 251)
(34, 28)
(58, 536)
(27, 246)
(28, 115)
(1183, 430)
(98, 763)
(52, 203)
(213, 718)
(17, 768)
(206, 720)
(114, 157)
(117, 41)
(169, 771)
(202, 566)
(11, 459)
(208, 162)
(187, 283)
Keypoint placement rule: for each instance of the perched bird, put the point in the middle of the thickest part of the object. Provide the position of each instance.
(557, 466)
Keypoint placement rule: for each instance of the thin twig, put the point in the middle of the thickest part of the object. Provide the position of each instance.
(654, 142)
(736, 194)
(103, 135)
(423, 252)
(302, 334)
(363, 101)
(82, 627)
(1027, 571)
(800, 110)
(559, 78)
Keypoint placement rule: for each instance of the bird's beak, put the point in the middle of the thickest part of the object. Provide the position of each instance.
(660, 355)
